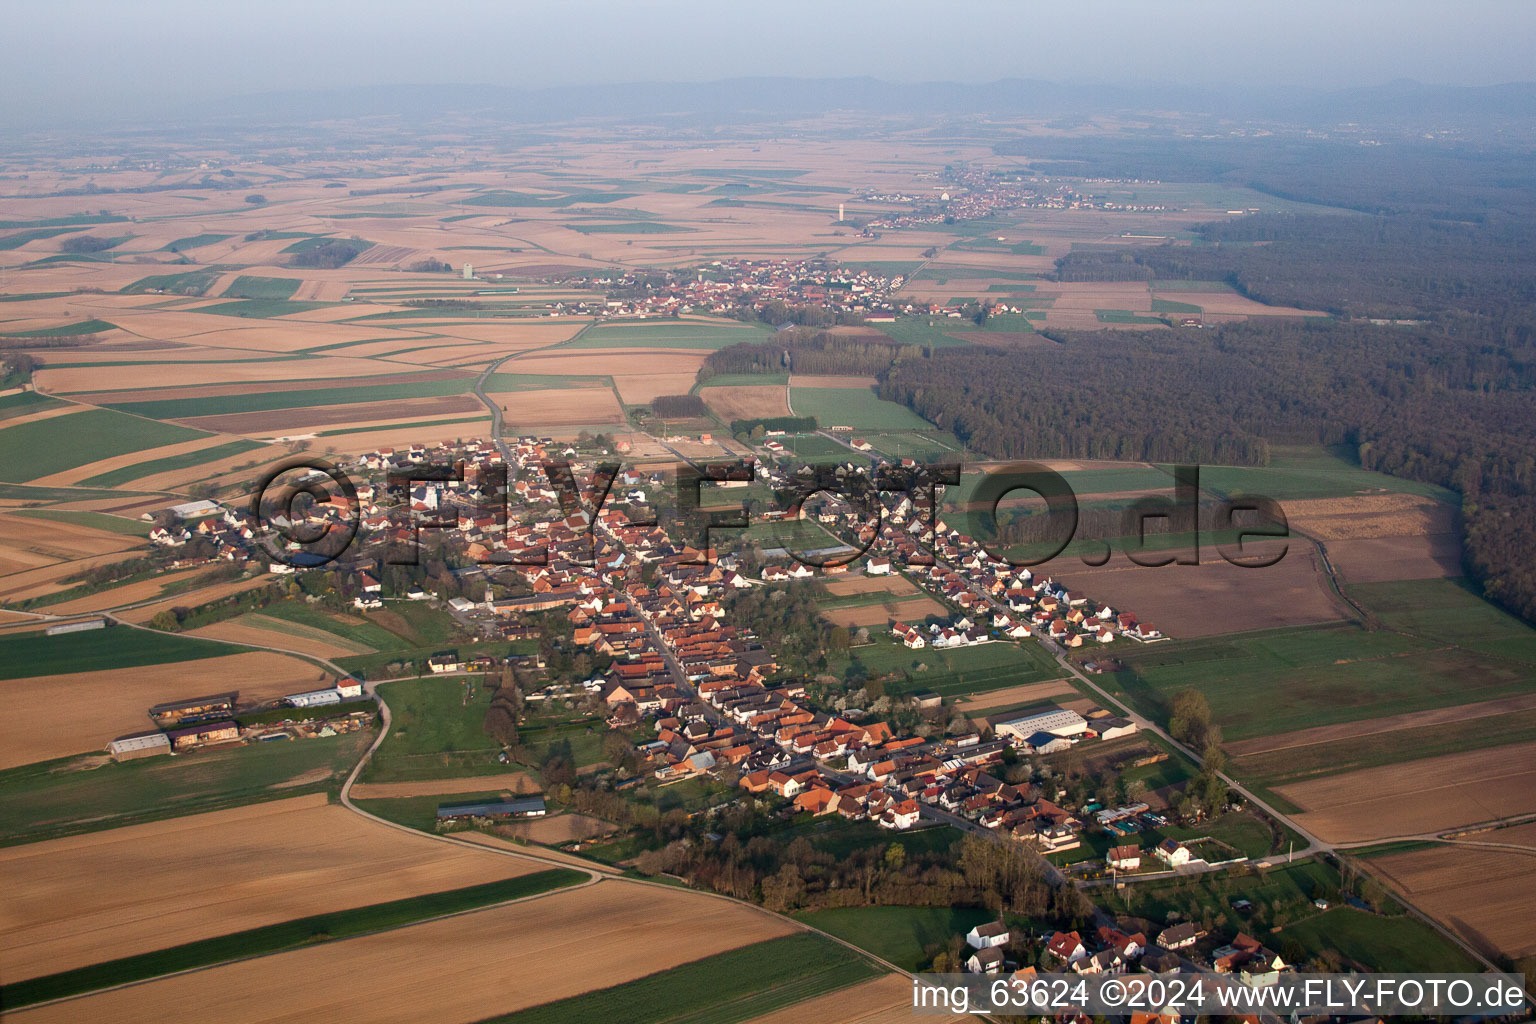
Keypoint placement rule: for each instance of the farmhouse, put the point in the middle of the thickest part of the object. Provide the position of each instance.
(444, 661)
(1125, 858)
(988, 960)
(1173, 853)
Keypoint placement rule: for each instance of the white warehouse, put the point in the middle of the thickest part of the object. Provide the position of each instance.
(1056, 721)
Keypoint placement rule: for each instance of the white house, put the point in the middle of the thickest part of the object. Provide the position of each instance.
(985, 961)
(1125, 858)
(1173, 853)
(994, 933)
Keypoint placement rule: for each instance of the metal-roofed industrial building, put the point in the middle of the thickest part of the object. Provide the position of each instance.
(528, 807)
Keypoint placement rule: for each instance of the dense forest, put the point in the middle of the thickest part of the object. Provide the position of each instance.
(1446, 394)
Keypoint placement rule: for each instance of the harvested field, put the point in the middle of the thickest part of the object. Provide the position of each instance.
(1488, 897)
(615, 362)
(98, 383)
(58, 715)
(91, 898)
(266, 631)
(288, 422)
(561, 828)
(1371, 515)
(851, 585)
(519, 783)
(398, 436)
(640, 388)
(131, 593)
(464, 968)
(1016, 695)
(1418, 797)
(746, 402)
(1214, 596)
(46, 541)
(886, 1000)
(1383, 559)
(1389, 723)
(22, 585)
(802, 380)
(1233, 303)
(217, 469)
(559, 407)
(909, 610)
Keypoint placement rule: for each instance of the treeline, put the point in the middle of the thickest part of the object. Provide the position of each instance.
(822, 353)
(788, 424)
(677, 407)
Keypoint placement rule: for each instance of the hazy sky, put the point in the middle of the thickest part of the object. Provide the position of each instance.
(75, 56)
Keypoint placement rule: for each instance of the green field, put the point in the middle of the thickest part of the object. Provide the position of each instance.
(1169, 306)
(25, 403)
(930, 446)
(304, 931)
(1378, 943)
(191, 282)
(36, 654)
(1311, 472)
(1275, 681)
(60, 798)
(265, 401)
(65, 331)
(193, 242)
(261, 309)
(1451, 611)
(721, 380)
(665, 334)
(905, 936)
(85, 517)
(950, 673)
(858, 408)
(44, 447)
(435, 731)
(1123, 316)
(728, 987)
(247, 287)
(187, 460)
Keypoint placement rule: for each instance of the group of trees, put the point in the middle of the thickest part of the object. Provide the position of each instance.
(330, 255)
(679, 407)
(821, 353)
(976, 872)
(802, 639)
